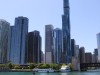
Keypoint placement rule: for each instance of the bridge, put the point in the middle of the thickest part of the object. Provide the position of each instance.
(84, 66)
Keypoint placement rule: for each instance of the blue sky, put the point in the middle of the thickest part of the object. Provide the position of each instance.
(84, 17)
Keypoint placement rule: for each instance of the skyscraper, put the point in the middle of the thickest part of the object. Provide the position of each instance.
(95, 55)
(88, 57)
(18, 40)
(4, 35)
(98, 46)
(11, 43)
(34, 47)
(57, 44)
(75, 58)
(77, 51)
(66, 32)
(73, 50)
(48, 44)
(82, 55)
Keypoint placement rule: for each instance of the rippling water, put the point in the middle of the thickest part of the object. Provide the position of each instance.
(30, 73)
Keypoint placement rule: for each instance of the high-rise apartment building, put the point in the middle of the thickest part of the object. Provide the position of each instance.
(77, 51)
(34, 47)
(48, 44)
(10, 45)
(42, 57)
(57, 44)
(98, 46)
(18, 41)
(73, 47)
(4, 35)
(88, 57)
(82, 55)
(66, 32)
(95, 56)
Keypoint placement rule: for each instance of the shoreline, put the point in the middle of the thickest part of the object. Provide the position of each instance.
(26, 70)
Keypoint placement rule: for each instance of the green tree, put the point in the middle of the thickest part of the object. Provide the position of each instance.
(17, 67)
(10, 65)
(2, 65)
(44, 66)
(32, 65)
(55, 66)
(71, 66)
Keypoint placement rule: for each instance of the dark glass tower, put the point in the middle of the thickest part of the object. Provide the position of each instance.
(34, 47)
(73, 51)
(66, 33)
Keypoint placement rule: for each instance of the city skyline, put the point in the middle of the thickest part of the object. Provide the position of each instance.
(80, 28)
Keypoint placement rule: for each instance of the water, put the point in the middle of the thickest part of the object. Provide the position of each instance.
(30, 73)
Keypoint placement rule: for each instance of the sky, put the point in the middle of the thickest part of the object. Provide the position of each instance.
(84, 17)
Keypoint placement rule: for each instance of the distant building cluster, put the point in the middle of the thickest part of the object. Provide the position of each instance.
(19, 46)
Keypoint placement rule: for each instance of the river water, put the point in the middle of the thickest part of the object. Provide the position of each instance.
(30, 73)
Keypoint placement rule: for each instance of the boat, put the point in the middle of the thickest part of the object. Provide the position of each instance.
(43, 70)
(64, 69)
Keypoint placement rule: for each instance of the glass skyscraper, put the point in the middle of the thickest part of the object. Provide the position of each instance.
(57, 44)
(66, 33)
(73, 50)
(34, 47)
(4, 35)
(98, 46)
(18, 41)
(95, 55)
(82, 55)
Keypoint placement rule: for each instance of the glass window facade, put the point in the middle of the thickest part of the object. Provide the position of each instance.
(66, 33)
(4, 35)
(98, 45)
(18, 41)
(57, 43)
(34, 47)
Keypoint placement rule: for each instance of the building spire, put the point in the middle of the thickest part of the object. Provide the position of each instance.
(66, 7)
(66, 3)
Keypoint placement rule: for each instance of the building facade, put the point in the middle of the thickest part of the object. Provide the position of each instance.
(66, 32)
(82, 55)
(18, 41)
(73, 47)
(34, 47)
(4, 35)
(10, 46)
(88, 57)
(98, 46)
(95, 55)
(57, 44)
(77, 51)
(48, 44)
(75, 55)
